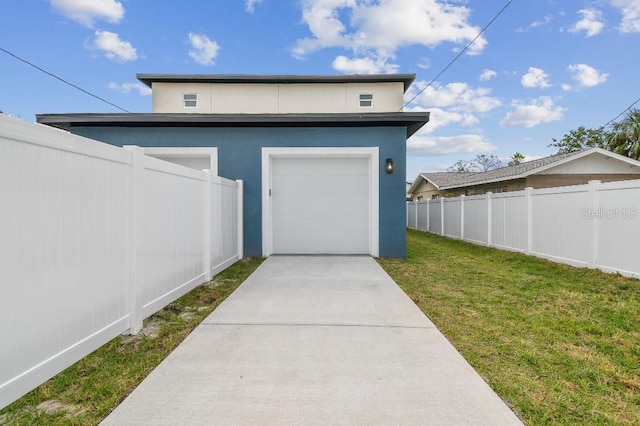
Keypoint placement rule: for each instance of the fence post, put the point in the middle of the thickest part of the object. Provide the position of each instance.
(240, 213)
(417, 207)
(428, 219)
(206, 240)
(441, 215)
(489, 213)
(406, 213)
(595, 230)
(529, 205)
(462, 216)
(136, 274)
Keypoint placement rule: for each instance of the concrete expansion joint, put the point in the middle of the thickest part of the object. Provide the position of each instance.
(279, 324)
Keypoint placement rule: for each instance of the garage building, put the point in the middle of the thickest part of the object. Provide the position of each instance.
(322, 157)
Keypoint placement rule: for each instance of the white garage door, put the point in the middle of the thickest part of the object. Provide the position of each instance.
(321, 205)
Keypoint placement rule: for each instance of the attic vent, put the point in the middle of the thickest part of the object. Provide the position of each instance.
(366, 100)
(190, 100)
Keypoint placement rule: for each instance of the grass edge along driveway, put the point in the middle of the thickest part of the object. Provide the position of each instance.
(560, 345)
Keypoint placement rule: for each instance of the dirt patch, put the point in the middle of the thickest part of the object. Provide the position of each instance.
(191, 311)
(151, 330)
(53, 406)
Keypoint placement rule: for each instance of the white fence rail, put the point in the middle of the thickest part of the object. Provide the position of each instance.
(595, 225)
(93, 239)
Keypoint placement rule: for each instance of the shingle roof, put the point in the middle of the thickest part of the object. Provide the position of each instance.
(442, 179)
(509, 172)
(451, 180)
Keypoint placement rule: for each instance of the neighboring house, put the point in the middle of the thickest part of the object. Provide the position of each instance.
(427, 186)
(408, 187)
(313, 151)
(575, 168)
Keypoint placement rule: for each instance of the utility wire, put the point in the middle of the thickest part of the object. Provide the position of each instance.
(62, 80)
(618, 116)
(459, 54)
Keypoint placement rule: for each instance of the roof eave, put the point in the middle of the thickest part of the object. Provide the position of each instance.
(484, 182)
(149, 79)
(415, 184)
(413, 121)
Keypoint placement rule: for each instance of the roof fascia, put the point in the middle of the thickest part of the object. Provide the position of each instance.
(412, 121)
(148, 79)
(415, 184)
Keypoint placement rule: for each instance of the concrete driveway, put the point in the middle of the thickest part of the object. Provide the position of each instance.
(315, 340)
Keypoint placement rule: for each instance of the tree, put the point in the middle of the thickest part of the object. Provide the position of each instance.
(481, 163)
(624, 139)
(484, 163)
(581, 139)
(516, 159)
(460, 166)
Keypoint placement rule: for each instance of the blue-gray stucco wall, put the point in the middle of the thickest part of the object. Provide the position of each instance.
(240, 157)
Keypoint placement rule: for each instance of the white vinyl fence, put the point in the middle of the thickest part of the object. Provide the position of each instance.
(595, 225)
(93, 239)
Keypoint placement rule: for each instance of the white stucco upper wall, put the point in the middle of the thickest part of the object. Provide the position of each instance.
(277, 98)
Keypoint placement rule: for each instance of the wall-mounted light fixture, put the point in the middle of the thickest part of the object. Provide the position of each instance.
(388, 165)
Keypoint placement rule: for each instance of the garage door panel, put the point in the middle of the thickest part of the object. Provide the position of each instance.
(321, 205)
(303, 223)
(318, 185)
(319, 216)
(330, 220)
(319, 166)
(323, 243)
(309, 204)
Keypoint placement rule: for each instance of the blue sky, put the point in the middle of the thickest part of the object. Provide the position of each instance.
(543, 68)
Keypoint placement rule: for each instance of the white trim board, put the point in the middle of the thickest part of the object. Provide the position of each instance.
(177, 153)
(372, 153)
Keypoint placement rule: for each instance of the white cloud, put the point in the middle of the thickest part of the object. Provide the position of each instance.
(487, 75)
(114, 48)
(362, 66)
(424, 64)
(456, 96)
(566, 87)
(587, 76)
(378, 29)
(127, 88)
(535, 77)
(546, 20)
(251, 5)
(454, 103)
(540, 110)
(86, 12)
(203, 50)
(440, 118)
(630, 10)
(421, 146)
(591, 22)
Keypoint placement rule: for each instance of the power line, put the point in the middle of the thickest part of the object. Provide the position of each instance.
(618, 116)
(459, 53)
(62, 80)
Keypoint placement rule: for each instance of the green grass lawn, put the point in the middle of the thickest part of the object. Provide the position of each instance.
(560, 344)
(89, 390)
